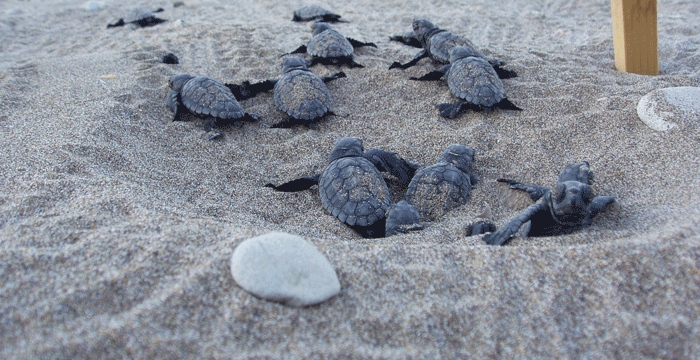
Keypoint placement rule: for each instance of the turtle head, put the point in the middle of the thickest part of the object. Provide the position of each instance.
(580, 171)
(571, 201)
(294, 63)
(423, 28)
(401, 218)
(346, 147)
(461, 52)
(176, 82)
(460, 156)
(319, 27)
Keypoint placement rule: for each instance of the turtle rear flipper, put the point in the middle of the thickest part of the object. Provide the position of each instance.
(536, 192)
(356, 43)
(391, 163)
(295, 185)
(506, 104)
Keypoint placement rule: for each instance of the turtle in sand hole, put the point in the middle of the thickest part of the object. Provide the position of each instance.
(567, 208)
(139, 17)
(207, 98)
(436, 44)
(353, 190)
(473, 81)
(330, 47)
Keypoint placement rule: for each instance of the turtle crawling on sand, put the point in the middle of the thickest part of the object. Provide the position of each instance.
(315, 13)
(436, 44)
(353, 190)
(139, 17)
(569, 207)
(330, 47)
(204, 97)
(473, 81)
(299, 92)
(439, 188)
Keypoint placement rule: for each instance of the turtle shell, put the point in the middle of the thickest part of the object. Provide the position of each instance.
(436, 189)
(302, 95)
(353, 190)
(329, 44)
(439, 46)
(474, 80)
(313, 12)
(205, 96)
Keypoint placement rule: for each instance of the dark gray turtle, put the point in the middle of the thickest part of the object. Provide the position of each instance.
(439, 188)
(353, 190)
(473, 81)
(315, 13)
(330, 47)
(207, 98)
(436, 44)
(569, 207)
(139, 17)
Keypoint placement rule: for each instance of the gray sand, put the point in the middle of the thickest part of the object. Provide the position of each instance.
(117, 225)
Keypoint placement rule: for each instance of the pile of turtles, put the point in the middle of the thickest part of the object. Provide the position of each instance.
(352, 186)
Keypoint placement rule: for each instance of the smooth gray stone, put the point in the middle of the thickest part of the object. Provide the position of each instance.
(284, 268)
(668, 108)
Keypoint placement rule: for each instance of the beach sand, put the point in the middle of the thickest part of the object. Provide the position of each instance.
(117, 225)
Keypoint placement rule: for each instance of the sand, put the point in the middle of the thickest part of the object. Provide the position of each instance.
(117, 225)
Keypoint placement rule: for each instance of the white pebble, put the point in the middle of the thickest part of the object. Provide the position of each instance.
(667, 108)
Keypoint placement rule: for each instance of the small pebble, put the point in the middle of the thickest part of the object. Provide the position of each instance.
(284, 268)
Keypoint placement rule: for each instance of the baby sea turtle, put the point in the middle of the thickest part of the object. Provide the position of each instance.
(300, 93)
(169, 58)
(353, 190)
(436, 44)
(207, 98)
(330, 47)
(473, 81)
(139, 17)
(439, 188)
(315, 13)
(569, 207)
(402, 218)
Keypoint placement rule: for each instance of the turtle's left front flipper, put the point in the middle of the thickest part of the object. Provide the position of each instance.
(295, 185)
(505, 233)
(391, 163)
(246, 90)
(356, 43)
(599, 204)
(408, 38)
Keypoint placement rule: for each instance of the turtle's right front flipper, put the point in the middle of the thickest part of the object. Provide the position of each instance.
(246, 90)
(300, 184)
(172, 101)
(535, 191)
(391, 163)
(505, 233)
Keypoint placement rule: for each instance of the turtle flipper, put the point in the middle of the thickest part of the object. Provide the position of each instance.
(300, 50)
(479, 227)
(433, 75)
(450, 111)
(335, 76)
(505, 233)
(504, 73)
(247, 90)
(295, 185)
(407, 39)
(505, 104)
(536, 192)
(119, 22)
(415, 60)
(356, 43)
(211, 130)
(599, 204)
(391, 163)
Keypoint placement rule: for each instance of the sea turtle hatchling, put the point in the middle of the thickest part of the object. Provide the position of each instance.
(569, 207)
(204, 97)
(436, 44)
(353, 190)
(438, 188)
(473, 81)
(315, 13)
(330, 47)
(139, 17)
(300, 93)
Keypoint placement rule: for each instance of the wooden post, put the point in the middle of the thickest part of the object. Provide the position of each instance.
(634, 36)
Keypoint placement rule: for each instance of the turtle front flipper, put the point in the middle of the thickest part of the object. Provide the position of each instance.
(415, 60)
(335, 76)
(433, 75)
(504, 73)
(536, 192)
(247, 90)
(356, 43)
(506, 104)
(408, 38)
(505, 233)
(599, 204)
(119, 22)
(391, 163)
(295, 185)
(300, 50)
(175, 105)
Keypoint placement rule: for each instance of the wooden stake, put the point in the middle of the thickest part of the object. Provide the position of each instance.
(634, 36)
